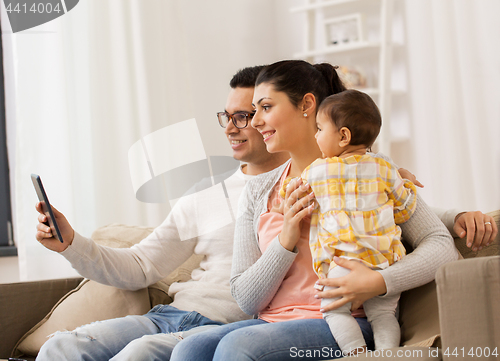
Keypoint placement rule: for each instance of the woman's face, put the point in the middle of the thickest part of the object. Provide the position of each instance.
(276, 118)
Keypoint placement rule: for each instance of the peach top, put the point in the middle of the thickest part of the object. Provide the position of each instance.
(295, 298)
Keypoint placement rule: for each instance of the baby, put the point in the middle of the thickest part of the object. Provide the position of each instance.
(361, 199)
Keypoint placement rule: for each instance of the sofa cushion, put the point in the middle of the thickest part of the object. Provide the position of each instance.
(87, 303)
(418, 316)
(120, 235)
(124, 236)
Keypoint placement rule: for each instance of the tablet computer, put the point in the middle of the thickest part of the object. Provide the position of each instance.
(47, 209)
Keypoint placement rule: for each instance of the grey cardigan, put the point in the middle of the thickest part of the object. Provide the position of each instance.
(256, 276)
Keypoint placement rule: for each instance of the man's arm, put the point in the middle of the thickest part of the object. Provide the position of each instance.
(479, 228)
(133, 268)
(154, 258)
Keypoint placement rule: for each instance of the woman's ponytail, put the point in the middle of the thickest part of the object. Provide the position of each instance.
(331, 76)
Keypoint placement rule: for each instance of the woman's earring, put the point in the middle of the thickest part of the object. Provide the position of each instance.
(305, 114)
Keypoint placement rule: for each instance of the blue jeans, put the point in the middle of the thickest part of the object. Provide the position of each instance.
(309, 339)
(148, 337)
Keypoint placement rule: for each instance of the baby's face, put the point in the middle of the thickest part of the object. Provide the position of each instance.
(327, 136)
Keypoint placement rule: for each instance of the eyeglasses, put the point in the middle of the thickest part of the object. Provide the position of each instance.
(240, 119)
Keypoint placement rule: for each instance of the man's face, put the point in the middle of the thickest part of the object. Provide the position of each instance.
(247, 143)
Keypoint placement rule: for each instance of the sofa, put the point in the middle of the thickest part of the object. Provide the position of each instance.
(455, 317)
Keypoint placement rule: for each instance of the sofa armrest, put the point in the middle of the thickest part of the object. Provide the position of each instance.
(469, 312)
(24, 304)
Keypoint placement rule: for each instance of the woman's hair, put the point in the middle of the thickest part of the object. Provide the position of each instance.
(357, 112)
(296, 78)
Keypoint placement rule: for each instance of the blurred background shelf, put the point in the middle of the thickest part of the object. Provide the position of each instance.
(368, 53)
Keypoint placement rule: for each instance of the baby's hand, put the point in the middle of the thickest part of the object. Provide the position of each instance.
(406, 174)
(277, 208)
(286, 182)
(285, 185)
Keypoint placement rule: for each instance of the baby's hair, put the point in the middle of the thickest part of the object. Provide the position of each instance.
(357, 112)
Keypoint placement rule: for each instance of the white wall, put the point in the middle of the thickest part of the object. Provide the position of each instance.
(454, 75)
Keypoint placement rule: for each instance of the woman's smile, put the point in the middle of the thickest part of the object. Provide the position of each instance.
(268, 134)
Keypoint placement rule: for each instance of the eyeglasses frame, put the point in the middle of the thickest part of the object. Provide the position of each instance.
(248, 116)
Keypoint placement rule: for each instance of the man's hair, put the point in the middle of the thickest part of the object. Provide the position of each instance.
(246, 77)
(357, 112)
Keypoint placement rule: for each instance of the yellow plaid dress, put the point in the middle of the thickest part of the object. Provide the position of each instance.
(361, 198)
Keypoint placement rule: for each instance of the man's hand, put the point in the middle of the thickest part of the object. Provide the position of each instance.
(480, 229)
(406, 174)
(361, 284)
(44, 234)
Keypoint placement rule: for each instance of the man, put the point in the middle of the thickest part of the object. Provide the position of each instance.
(163, 251)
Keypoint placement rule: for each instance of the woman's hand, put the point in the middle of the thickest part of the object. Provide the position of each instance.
(44, 234)
(294, 210)
(406, 174)
(361, 284)
(480, 229)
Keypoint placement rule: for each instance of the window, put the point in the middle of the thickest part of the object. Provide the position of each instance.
(7, 247)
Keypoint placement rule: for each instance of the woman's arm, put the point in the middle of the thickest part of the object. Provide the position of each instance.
(433, 246)
(255, 277)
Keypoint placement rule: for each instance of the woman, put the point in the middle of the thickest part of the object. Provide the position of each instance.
(272, 274)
